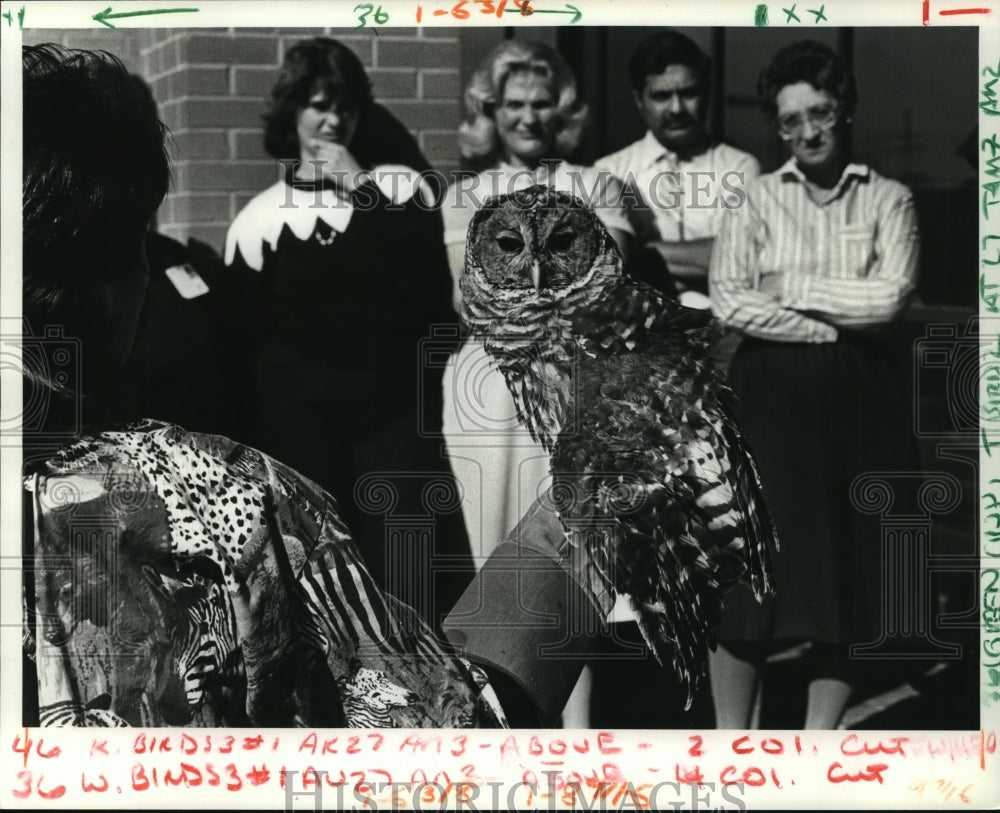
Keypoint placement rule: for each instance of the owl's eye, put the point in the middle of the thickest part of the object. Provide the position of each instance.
(562, 240)
(510, 243)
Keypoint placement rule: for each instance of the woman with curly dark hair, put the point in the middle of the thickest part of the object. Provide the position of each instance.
(347, 252)
(812, 270)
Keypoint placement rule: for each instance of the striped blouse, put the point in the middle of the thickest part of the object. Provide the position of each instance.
(847, 262)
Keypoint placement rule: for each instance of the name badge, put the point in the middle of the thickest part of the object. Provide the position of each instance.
(187, 281)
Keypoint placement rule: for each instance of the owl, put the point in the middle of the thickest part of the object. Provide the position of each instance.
(653, 482)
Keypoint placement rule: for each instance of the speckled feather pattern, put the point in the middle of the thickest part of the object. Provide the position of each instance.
(652, 477)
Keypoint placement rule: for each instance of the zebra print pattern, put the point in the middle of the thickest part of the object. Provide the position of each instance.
(203, 635)
(346, 612)
(207, 643)
(72, 713)
(349, 608)
(369, 698)
(231, 536)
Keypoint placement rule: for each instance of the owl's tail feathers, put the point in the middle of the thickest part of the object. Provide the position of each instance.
(681, 624)
(760, 534)
(671, 587)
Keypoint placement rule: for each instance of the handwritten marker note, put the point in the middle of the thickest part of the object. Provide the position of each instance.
(103, 16)
(989, 283)
(9, 17)
(552, 770)
(948, 12)
(468, 9)
(945, 789)
(366, 10)
(566, 9)
(791, 14)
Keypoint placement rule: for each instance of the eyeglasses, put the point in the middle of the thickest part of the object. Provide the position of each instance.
(822, 118)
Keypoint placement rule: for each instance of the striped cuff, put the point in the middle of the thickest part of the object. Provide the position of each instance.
(795, 291)
(823, 333)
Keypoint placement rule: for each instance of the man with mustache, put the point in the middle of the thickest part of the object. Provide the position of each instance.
(679, 180)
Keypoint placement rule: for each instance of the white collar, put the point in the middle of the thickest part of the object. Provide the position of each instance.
(263, 219)
(651, 151)
(790, 169)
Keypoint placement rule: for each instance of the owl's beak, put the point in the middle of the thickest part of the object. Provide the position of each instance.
(536, 275)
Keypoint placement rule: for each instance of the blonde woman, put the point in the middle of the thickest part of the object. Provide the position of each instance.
(523, 119)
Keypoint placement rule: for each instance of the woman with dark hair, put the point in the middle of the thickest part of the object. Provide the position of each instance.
(174, 578)
(88, 190)
(379, 138)
(812, 270)
(346, 250)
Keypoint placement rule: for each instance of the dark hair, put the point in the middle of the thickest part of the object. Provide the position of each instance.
(95, 170)
(652, 56)
(807, 61)
(308, 66)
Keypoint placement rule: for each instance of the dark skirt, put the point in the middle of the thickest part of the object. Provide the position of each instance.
(817, 417)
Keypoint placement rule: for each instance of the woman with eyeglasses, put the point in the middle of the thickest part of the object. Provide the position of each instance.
(811, 270)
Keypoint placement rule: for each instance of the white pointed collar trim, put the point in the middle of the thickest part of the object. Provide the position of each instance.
(791, 169)
(300, 208)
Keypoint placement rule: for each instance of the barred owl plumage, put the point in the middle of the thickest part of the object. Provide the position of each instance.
(653, 481)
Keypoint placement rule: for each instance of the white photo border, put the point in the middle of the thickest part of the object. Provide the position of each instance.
(30, 770)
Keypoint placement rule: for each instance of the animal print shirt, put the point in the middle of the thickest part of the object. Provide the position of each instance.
(182, 579)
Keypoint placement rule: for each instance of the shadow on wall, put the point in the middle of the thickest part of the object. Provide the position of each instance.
(948, 218)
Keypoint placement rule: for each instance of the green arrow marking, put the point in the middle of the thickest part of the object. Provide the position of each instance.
(103, 16)
(577, 14)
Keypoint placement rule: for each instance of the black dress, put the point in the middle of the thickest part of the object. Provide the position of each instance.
(191, 362)
(349, 296)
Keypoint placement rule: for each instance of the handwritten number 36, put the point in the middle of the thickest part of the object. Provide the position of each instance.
(380, 17)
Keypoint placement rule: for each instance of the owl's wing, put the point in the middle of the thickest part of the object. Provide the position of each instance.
(627, 317)
(664, 494)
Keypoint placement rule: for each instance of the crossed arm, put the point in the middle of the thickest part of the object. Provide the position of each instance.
(786, 306)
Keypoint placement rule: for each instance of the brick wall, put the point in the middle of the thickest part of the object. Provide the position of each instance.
(126, 45)
(212, 84)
